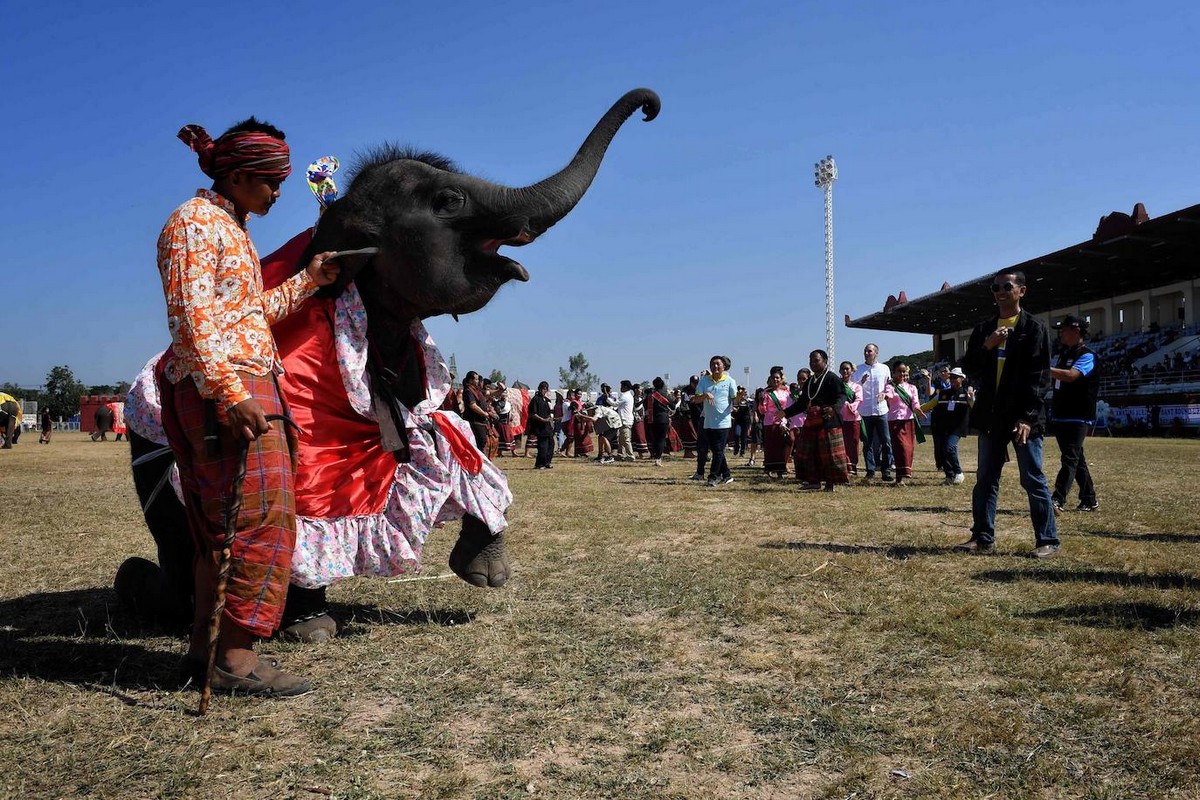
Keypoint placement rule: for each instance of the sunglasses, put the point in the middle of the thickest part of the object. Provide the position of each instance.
(1007, 286)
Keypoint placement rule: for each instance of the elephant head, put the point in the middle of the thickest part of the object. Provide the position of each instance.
(439, 231)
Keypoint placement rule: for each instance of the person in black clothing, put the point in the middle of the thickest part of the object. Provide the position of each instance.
(541, 423)
(1006, 359)
(949, 421)
(740, 417)
(658, 420)
(476, 408)
(820, 449)
(1076, 386)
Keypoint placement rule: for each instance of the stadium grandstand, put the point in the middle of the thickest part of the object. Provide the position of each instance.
(1136, 281)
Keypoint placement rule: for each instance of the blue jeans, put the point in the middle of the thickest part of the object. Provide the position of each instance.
(877, 449)
(993, 449)
(716, 439)
(950, 463)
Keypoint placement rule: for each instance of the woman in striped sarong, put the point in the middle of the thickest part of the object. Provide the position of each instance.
(820, 450)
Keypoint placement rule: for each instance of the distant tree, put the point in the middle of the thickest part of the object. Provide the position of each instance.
(62, 391)
(123, 388)
(576, 375)
(497, 376)
(101, 388)
(921, 359)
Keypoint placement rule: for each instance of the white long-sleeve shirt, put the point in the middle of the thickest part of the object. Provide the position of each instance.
(873, 379)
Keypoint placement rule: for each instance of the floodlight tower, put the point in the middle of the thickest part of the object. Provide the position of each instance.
(826, 174)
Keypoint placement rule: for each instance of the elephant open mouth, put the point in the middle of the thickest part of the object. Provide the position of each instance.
(503, 266)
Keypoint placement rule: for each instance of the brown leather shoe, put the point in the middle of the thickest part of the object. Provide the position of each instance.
(265, 680)
(973, 545)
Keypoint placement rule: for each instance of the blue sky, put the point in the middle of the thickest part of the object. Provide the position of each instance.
(967, 138)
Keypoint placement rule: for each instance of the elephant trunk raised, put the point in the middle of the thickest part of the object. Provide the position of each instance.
(548, 201)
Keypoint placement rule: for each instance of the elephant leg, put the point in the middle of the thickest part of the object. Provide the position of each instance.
(162, 592)
(479, 557)
(306, 616)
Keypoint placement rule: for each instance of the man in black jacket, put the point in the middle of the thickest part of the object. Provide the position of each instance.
(1007, 359)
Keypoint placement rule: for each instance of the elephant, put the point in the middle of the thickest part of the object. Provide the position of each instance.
(423, 238)
(10, 421)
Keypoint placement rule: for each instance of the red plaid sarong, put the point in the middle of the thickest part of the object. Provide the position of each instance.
(261, 557)
(820, 454)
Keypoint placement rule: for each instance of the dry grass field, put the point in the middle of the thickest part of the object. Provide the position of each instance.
(659, 640)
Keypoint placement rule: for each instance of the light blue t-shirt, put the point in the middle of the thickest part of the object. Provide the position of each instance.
(717, 414)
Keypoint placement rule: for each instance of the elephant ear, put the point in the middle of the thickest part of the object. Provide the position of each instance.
(339, 229)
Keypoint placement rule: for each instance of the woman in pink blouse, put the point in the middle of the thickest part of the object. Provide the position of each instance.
(903, 406)
(851, 418)
(777, 442)
(796, 423)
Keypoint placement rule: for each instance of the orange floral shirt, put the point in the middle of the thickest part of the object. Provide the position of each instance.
(218, 314)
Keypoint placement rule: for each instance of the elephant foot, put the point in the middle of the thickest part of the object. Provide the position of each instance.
(311, 630)
(141, 586)
(478, 557)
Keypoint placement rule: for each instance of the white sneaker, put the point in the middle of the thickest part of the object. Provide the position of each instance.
(958, 478)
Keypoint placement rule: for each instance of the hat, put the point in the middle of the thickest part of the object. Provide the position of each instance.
(957, 373)
(1072, 321)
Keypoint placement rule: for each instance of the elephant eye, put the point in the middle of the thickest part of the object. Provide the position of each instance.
(448, 202)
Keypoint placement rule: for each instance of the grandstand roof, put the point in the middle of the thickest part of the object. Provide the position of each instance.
(1128, 253)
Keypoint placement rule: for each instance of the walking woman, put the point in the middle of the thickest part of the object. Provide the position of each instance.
(820, 450)
(756, 430)
(797, 421)
(641, 447)
(777, 438)
(851, 418)
(658, 420)
(476, 409)
(581, 427)
(740, 416)
(47, 427)
(683, 422)
(902, 411)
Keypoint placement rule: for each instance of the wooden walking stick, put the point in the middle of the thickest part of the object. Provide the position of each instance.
(232, 505)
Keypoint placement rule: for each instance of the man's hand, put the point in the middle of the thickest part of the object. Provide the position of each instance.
(323, 269)
(1021, 433)
(996, 338)
(247, 420)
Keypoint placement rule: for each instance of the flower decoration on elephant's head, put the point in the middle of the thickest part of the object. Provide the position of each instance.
(320, 180)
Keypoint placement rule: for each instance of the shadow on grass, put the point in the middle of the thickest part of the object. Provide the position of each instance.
(896, 551)
(1169, 580)
(1172, 538)
(1127, 616)
(79, 637)
(1003, 512)
(356, 619)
